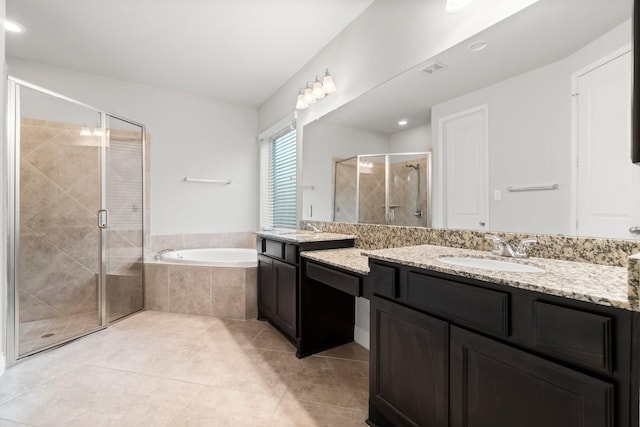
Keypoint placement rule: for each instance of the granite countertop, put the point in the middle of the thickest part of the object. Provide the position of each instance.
(291, 236)
(598, 284)
(350, 259)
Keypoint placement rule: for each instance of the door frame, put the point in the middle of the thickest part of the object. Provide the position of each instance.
(441, 172)
(573, 191)
(12, 218)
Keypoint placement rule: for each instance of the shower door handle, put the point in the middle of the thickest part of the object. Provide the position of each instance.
(103, 218)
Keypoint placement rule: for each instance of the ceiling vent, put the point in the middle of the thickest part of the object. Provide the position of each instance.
(434, 68)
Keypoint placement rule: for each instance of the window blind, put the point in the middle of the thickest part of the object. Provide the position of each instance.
(278, 181)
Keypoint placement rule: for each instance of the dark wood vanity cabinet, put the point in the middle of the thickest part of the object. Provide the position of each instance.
(279, 281)
(495, 356)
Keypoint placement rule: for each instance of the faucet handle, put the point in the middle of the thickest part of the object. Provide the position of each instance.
(498, 244)
(521, 251)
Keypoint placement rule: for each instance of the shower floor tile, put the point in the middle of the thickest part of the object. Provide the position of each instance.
(42, 333)
(167, 369)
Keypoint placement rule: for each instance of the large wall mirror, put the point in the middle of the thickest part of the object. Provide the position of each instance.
(528, 123)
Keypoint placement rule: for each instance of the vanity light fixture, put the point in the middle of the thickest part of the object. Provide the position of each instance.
(13, 27)
(328, 86)
(318, 92)
(301, 104)
(308, 97)
(403, 122)
(454, 6)
(315, 91)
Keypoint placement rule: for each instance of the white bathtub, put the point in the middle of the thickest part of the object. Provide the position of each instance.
(214, 257)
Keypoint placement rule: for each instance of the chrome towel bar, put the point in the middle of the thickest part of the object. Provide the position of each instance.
(210, 181)
(538, 188)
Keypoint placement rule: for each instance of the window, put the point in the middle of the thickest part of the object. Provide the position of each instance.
(278, 180)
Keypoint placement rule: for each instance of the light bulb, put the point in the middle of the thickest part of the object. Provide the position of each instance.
(85, 131)
(301, 104)
(454, 6)
(308, 97)
(13, 27)
(328, 86)
(317, 92)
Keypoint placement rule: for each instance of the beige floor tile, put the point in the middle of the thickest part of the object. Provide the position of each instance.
(7, 423)
(232, 332)
(98, 396)
(204, 418)
(222, 403)
(167, 324)
(262, 372)
(350, 351)
(292, 412)
(270, 339)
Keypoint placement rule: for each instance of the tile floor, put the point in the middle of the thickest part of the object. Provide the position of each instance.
(38, 334)
(165, 369)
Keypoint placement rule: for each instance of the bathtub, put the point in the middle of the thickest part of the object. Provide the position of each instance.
(214, 257)
(220, 282)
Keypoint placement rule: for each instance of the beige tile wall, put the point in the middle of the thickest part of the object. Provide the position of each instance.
(211, 291)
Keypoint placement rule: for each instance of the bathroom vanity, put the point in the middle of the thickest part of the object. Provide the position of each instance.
(290, 309)
(469, 347)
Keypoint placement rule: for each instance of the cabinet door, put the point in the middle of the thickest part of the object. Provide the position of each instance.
(266, 287)
(409, 366)
(286, 296)
(494, 385)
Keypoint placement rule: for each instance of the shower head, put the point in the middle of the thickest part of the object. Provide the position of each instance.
(409, 165)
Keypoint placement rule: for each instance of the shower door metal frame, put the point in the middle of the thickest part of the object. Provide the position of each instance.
(12, 188)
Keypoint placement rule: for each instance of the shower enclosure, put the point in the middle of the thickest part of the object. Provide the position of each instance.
(392, 189)
(75, 180)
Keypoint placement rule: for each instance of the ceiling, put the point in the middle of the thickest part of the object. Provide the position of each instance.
(239, 51)
(545, 32)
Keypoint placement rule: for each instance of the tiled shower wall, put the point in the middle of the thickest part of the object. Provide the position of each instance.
(59, 198)
(403, 191)
(59, 240)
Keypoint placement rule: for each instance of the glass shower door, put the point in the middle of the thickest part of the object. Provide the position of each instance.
(57, 170)
(125, 202)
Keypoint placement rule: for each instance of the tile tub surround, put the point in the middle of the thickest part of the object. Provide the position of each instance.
(612, 252)
(604, 285)
(166, 369)
(223, 292)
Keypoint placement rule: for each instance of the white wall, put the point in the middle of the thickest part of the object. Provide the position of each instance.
(388, 38)
(412, 140)
(191, 135)
(530, 140)
(322, 143)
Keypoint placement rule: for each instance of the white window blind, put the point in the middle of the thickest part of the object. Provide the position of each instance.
(278, 180)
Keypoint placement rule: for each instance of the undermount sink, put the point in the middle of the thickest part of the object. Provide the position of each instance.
(491, 264)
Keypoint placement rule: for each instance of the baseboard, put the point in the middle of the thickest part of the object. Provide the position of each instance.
(361, 336)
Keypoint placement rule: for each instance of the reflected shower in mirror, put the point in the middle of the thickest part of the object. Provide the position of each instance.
(392, 189)
(540, 100)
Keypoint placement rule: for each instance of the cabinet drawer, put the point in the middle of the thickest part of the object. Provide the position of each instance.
(336, 279)
(482, 309)
(384, 280)
(573, 335)
(274, 248)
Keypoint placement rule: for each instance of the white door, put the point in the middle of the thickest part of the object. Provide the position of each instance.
(608, 184)
(464, 150)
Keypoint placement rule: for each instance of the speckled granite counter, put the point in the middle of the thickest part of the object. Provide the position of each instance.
(599, 284)
(350, 259)
(303, 237)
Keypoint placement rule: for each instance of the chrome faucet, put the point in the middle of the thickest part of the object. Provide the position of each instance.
(503, 248)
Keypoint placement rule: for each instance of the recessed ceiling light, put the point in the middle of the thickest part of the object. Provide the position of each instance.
(13, 27)
(403, 122)
(477, 45)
